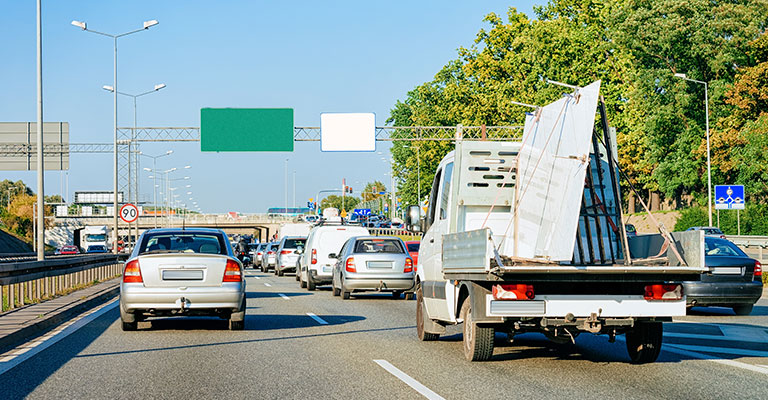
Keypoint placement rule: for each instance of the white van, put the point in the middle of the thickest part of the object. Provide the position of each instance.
(316, 267)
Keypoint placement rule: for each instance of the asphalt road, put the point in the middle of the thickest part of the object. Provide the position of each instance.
(350, 349)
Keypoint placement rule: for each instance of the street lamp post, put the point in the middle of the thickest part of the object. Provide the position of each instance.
(154, 168)
(83, 26)
(709, 165)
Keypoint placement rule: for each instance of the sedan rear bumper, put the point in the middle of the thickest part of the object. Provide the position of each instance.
(135, 297)
(384, 284)
(722, 293)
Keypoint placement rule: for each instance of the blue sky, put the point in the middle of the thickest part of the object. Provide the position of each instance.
(314, 57)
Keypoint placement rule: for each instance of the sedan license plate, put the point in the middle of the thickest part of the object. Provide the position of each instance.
(727, 271)
(380, 264)
(327, 269)
(182, 275)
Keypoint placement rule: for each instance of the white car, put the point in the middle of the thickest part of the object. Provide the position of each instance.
(316, 268)
(182, 272)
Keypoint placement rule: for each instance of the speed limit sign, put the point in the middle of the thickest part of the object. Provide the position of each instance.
(129, 213)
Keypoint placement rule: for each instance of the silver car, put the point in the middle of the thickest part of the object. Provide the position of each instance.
(269, 257)
(366, 263)
(182, 272)
(287, 255)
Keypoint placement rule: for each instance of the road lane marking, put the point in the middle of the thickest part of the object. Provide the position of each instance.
(267, 284)
(16, 356)
(284, 296)
(318, 319)
(721, 350)
(710, 337)
(413, 383)
(693, 354)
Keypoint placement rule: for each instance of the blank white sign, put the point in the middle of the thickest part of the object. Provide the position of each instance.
(348, 131)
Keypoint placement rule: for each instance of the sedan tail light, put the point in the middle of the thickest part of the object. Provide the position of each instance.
(663, 292)
(758, 269)
(232, 272)
(285, 252)
(132, 273)
(513, 292)
(408, 265)
(350, 264)
(314, 256)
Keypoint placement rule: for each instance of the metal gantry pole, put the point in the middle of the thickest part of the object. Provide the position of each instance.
(40, 223)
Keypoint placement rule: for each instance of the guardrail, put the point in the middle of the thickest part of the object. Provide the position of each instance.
(749, 241)
(392, 232)
(27, 282)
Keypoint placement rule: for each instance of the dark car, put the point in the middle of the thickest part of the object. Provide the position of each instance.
(97, 248)
(734, 279)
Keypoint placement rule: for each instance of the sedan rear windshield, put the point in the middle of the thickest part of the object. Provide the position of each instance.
(378, 246)
(294, 243)
(182, 242)
(721, 247)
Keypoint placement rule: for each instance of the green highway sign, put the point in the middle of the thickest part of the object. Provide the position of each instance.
(246, 129)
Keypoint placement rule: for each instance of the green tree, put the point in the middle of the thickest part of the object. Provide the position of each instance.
(372, 190)
(10, 189)
(336, 201)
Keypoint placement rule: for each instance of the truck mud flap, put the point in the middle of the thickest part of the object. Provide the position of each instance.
(477, 295)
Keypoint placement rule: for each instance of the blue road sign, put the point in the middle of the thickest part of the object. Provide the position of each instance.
(729, 197)
(361, 211)
(382, 192)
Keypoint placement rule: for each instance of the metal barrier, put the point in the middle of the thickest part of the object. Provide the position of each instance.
(392, 232)
(28, 282)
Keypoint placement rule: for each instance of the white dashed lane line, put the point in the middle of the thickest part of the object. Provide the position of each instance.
(318, 319)
(413, 383)
(284, 296)
(267, 284)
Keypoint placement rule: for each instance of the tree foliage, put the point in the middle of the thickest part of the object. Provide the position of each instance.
(347, 203)
(634, 47)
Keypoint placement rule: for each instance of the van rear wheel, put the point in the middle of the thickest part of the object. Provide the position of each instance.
(421, 313)
(478, 341)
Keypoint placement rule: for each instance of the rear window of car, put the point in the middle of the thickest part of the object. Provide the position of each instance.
(294, 243)
(378, 246)
(713, 231)
(182, 242)
(720, 247)
(413, 247)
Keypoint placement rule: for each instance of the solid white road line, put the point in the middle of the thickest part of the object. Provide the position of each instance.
(11, 360)
(267, 284)
(284, 296)
(413, 383)
(318, 319)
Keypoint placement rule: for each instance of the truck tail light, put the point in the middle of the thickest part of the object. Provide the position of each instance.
(513, 292)
(758, 269)
(663, 292)
(314, 256)
(232, 272)
(350, 265)
(408, 265)
(132, 273)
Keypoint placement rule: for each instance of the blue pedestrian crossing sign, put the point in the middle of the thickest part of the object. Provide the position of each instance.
(729, 197)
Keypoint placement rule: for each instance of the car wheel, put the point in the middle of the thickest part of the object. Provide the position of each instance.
(302, 284)
(280, 272)
(478, 341)
(644, 342)
(396, 294)
(345, 294)
(743, 309)
(421, 313)
(130, 326)
(336, 291)
(297, 274)
(310, 283)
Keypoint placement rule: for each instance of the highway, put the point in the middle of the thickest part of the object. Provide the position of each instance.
(300, 344)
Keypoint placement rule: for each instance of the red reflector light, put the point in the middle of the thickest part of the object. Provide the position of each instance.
(513, 292)
(663, 292)
(314, 256)
(232, 272)
(408, 265)
(350, 265)
(132, 273)
(758, 269)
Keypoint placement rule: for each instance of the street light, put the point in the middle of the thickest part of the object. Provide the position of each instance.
(709, 165)
(154, 167)
(84, 26)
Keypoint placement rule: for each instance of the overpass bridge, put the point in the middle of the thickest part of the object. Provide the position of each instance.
(262, 226)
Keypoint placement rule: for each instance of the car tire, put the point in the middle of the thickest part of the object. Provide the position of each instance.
(129, 326)
(421, 313)
(280, 272)
(478, 341)
(302, 284)
(743, 309)
(396, 294)
(310, 283)
(297, 274)
(236, 325)
(345, 294)
(644, 342)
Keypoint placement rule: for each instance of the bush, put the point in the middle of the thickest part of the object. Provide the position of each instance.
(754, 220)
(694, 216)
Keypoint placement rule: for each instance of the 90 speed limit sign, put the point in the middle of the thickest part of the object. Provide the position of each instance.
(129, 213)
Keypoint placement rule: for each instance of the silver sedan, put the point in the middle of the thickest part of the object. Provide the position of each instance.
(372, 263)
(182, 272)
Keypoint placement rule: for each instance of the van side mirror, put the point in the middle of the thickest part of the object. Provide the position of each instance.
(413, 219)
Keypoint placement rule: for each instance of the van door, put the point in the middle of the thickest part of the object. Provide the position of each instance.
(435, 288)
